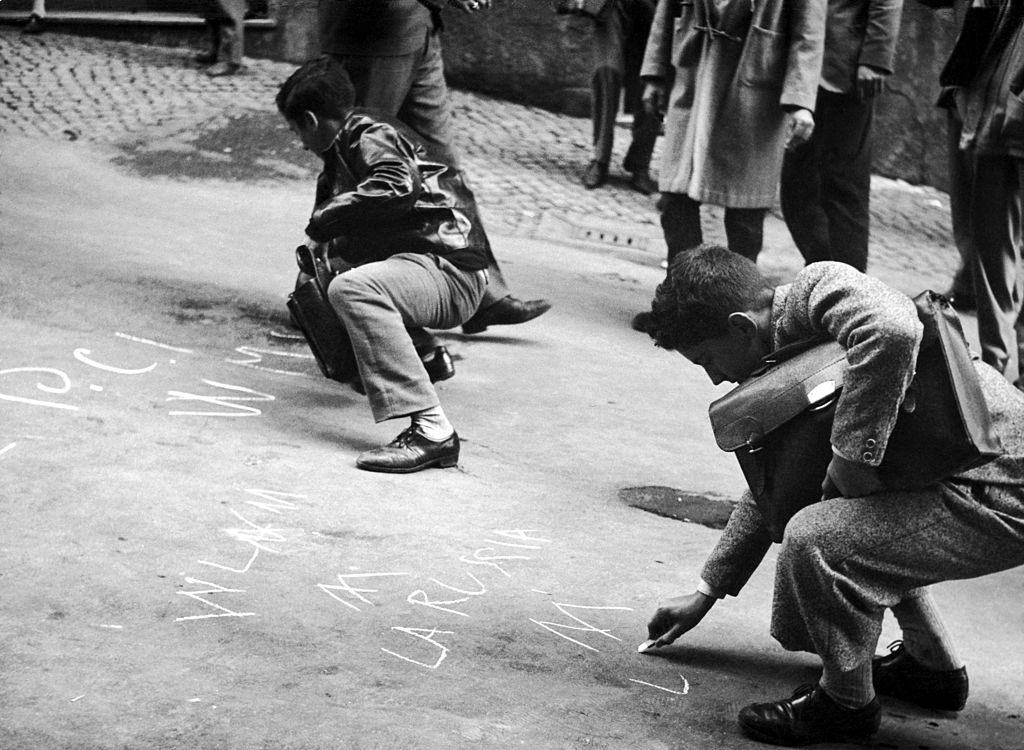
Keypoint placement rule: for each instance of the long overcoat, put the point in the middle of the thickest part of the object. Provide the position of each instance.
(737, 65)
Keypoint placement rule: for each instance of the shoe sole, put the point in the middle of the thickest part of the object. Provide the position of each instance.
(471, 329)
(760, 736)
(442, 462)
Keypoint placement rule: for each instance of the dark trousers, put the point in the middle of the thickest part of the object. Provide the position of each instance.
(826, 183)
(412, 88)
(996, 216)
(680, 221)
(619, 38)
(961, 175)
(226, 24)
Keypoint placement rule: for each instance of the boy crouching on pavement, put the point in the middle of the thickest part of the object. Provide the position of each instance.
(843, 561)
(416, 254)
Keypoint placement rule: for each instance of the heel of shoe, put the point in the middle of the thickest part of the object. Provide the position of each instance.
(449, 462)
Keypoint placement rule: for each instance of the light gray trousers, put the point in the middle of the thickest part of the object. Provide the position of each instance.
(379, 301)
(844, 561)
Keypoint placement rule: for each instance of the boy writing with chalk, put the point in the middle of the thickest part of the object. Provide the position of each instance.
(413, 248)
(843, 561)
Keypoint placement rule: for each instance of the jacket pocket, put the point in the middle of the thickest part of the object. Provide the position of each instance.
(763, 60)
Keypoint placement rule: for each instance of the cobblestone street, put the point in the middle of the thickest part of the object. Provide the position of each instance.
(524, 161)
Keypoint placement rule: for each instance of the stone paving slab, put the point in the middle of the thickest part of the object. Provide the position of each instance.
(523, 161)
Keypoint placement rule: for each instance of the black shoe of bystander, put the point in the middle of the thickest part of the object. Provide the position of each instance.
(506, 312)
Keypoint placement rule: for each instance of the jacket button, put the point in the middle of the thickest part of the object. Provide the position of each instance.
(870, 442)
(868, 455)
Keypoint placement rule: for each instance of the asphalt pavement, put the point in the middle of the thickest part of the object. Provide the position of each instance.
(190, 558)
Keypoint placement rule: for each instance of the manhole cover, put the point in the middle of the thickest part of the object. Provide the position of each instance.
(683, 506)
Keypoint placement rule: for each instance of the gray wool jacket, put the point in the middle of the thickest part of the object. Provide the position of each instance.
(879, 328)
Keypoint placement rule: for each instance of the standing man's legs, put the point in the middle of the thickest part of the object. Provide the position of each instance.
(412, 88)
(37, 18)
(227, 17)
(646, 124)
(996, 228)
(378, 304)
(826, 183)
(744, 231)
(606, 88)
(960, 179)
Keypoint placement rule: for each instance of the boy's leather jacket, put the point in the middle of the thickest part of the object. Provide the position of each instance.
(379, 195)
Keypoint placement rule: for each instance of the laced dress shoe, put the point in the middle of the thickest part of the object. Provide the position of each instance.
(594, 175)
(223, 69)
(411, 451)
(807, 717)
(900, 675)
(506, 312)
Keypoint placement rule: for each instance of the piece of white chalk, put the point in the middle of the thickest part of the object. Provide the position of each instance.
(645, 645)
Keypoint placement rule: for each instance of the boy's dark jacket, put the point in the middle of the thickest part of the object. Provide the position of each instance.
(379, 195)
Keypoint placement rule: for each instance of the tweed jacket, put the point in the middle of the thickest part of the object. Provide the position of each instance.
(379, 195)
(879, 328)
(738, 65)
(859, 32)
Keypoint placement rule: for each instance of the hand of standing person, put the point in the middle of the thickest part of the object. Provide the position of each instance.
(677, 616)
(800, 127)
(870, 81)
(654, 96)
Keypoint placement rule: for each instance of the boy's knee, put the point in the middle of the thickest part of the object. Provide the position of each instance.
(348, 289)
(806, 537)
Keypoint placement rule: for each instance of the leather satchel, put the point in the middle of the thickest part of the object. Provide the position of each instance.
(316, 317)
(779, 421)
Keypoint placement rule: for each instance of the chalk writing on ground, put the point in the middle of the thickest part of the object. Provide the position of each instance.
(258, 537)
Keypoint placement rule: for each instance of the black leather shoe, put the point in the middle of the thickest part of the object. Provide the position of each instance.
(900, 675)
(506, 312)
(206, 58)
(642, 322)
(223, 69)
(643, 183)
(594, 175)
(410, 452)
(437, 362)
(36, 25)
(809, 716)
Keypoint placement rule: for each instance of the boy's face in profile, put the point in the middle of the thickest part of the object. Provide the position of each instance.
(730, 357)
(305, 129)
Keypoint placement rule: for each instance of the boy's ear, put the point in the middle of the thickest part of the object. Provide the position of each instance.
(744, 324)
(309, 120)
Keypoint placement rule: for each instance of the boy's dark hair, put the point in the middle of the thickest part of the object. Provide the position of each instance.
(703, 287)
(321, 86)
